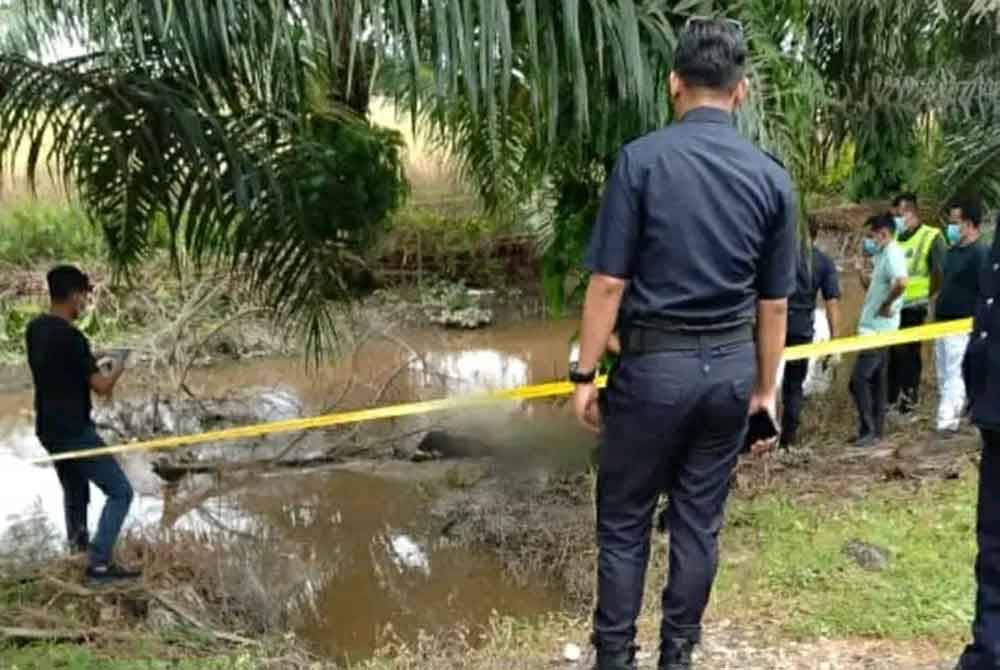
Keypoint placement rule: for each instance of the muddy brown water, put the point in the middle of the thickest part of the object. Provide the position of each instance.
(357, 554)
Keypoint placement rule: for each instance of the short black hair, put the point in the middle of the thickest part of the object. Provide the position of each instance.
(882, 221)
(970, 212)
(905, 197)
(65, 280)
(711, 53)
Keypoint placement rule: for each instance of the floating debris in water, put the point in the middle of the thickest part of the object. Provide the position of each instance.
(408, 554)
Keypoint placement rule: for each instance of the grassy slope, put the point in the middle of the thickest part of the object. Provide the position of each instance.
(784, 576)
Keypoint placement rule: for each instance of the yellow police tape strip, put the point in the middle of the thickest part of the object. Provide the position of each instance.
(831, 347)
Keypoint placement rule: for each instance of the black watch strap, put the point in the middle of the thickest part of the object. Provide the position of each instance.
(578, 376)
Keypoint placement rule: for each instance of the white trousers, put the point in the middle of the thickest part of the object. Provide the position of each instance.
(948, 354)
(819, 377)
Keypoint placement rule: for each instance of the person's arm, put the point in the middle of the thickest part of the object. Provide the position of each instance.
(775, 282)
(896, 290)
(772, 328)
(935, 263)
(614, 345)
(600, 311)
(830, 289)
(104, 384)
(833, 316)
(897, 269)
(864, 276)
(610, 258)
(100, 383)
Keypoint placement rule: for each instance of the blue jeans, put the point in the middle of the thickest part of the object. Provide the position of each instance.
(676, 422)
(75, 477)
(984, 652)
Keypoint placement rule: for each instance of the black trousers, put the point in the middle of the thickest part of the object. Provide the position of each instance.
(675, 422)
(906, 364)
(792, 392)
(984, 652)
(868, 382)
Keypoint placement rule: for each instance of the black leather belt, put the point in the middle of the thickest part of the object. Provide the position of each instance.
(646, 340)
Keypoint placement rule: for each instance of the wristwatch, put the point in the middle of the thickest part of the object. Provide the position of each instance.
(581, 377)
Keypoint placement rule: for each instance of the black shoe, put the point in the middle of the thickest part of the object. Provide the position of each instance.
(675, 654)
(618, 659)
(79, 543)
(866, 441)
(98, 575)
(77, 550)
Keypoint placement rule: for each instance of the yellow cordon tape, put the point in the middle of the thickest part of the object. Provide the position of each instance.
(550, 390)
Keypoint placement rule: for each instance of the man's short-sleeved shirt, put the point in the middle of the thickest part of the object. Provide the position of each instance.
(960, 281)
(820, 278)
(700, 222)
(890, 267)
(61, 365)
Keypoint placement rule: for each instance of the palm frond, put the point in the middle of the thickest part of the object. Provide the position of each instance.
(262, 169)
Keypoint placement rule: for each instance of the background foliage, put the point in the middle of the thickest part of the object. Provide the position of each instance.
(242, 124)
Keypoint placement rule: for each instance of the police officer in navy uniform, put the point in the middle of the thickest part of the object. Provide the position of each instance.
(693, 255)
(981, 370)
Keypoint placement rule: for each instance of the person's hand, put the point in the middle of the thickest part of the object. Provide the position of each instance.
(886, 311)
(767, 401)
(585, 407)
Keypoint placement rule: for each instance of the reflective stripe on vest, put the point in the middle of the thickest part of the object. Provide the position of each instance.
(916, 249)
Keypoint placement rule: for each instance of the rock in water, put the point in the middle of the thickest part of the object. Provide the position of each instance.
(868, 556)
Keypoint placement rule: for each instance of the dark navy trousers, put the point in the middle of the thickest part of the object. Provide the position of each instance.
(793, 391)
(984, 652)
(75, 477)
(675, 423)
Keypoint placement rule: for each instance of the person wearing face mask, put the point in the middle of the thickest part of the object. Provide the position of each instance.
(924, 248)
(957, 300)
(981, 373)
(65, 373)
(880, 313)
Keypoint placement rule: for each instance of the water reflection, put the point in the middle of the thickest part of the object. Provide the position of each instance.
(351, 555)
(474, 371)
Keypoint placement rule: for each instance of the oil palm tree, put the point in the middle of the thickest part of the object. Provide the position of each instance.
(241, 123)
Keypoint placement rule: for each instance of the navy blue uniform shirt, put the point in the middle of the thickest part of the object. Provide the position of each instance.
(700, 222)
(821, 278)
(981, 367)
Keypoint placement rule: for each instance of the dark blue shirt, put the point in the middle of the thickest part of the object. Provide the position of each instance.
(820, 278)
(700, 222)
(981, 367)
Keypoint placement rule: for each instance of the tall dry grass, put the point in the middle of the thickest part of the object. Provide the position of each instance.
(16, 190)
(434, 176)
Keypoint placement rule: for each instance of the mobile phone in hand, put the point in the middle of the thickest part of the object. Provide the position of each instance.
(762, 427)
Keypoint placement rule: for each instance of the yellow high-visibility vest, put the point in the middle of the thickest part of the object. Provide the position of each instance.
(917, 250)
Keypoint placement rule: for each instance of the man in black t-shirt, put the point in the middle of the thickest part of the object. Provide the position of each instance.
(65, 372)
(817, 274)
(957, 300)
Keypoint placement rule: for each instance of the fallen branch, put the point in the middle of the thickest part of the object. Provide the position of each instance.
(27, 635)
(192, 620)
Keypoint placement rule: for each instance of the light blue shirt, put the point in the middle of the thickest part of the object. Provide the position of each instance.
(890, 266)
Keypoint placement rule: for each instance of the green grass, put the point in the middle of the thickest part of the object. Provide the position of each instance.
(73, 657)
(51, 232)
(785, 561)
